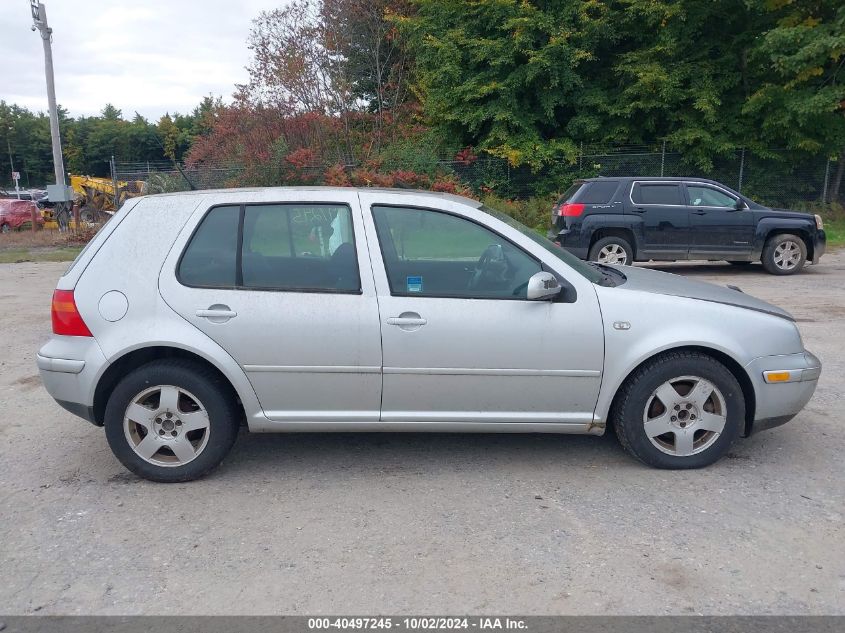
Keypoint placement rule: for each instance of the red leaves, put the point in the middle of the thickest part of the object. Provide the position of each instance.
(466, 156)
(302, 157)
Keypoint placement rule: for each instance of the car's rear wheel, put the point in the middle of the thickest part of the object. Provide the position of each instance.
(612, 250)
(171, 420)
(784, 254)
(679, 410)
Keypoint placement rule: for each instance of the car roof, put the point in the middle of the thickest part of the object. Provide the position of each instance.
(415, 192)
(652, 179)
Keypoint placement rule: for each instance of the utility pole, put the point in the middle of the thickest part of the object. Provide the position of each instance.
(12, 162)
(39, 19)
(58, 193)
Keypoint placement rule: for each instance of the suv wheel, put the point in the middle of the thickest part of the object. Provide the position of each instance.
(171, 420)
(679, 410)
(784, 254)
(612, 250)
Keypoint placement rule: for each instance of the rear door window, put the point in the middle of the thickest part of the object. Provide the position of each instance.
(308, 247)
(299, 247)
(700, 195)
(657, 193)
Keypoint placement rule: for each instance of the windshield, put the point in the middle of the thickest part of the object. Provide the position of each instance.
(583, 268)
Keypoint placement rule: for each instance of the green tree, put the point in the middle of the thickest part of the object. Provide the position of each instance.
(798, 98)
(504, 75)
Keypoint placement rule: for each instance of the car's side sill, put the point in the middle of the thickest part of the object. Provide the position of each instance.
(270, 426)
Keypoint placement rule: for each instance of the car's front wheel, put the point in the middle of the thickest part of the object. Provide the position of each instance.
(612, 250)
(679, 410)
(171, 420)
(784, 254)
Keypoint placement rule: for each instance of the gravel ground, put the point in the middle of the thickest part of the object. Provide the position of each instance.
(363, 524)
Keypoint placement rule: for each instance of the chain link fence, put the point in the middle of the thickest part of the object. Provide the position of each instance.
(778, 178)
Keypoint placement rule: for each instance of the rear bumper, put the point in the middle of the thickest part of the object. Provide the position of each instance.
(69, 368)
(778, 403)
(571, 240)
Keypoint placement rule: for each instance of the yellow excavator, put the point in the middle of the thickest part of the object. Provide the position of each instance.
(96, 196)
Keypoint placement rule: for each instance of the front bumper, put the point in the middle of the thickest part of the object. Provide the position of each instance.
(779, 402)
(69, 368)
(819, 245)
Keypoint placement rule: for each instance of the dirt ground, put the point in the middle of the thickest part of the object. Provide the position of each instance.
(394, 523)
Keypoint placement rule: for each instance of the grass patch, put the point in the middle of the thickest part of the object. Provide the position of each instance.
(16, 255)
(835, 231)
(41, 246)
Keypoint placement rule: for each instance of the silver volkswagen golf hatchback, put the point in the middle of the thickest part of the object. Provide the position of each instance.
(336, 309)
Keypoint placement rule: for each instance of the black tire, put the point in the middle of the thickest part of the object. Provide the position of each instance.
(629, 409)
(735, 263)
(5, 228)
(212, 393)
(611, 242)
(771, 251)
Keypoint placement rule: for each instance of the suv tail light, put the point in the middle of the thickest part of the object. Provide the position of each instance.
(66, 318)
(571, 209)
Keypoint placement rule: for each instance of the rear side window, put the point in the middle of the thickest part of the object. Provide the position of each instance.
(209, 261)
(306, 247)
(669, 193)
(599, 192)
(569, 193)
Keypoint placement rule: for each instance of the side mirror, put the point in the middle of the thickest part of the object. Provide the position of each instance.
(740, 205)
(542, 286)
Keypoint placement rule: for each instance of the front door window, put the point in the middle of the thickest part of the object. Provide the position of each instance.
(436, 254)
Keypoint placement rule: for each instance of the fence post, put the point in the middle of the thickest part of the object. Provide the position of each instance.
(663, 158)
(580, 158)
(741, 169)
(826, 180)
(114, 182)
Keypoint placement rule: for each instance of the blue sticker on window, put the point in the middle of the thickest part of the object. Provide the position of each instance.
(414, 284)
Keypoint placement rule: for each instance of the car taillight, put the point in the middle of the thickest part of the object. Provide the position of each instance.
(66, 318)
(571, 209)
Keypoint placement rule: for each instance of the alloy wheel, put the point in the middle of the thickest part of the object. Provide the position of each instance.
(787, 255)
(166, 425)
(612, 254)
(685, 416)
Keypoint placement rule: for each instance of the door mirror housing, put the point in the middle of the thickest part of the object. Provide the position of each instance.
(542, 286)
(740, 205)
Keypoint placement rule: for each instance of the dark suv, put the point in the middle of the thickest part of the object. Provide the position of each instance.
(622, 220)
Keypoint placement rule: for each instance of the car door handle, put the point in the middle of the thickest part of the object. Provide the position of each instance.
(400, 321)
(700, 212)
(217, 313)
(639, 210)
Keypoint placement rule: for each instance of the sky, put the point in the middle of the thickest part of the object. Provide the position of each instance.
(149, 56)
